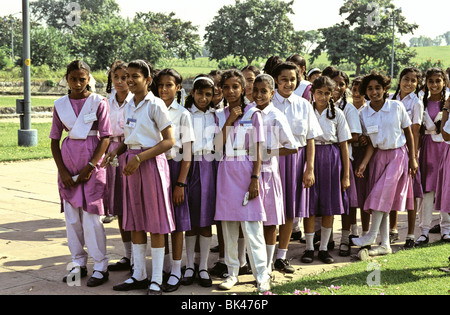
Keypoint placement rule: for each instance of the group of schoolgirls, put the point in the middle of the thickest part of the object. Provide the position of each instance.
(249, 160)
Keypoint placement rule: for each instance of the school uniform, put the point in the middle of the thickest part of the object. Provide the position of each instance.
(183, 133)
(147, 194)
(389, 183)
(305, 126)
(86, 121)
(326, 196)
(233, 179)
(304, 90)
(114, 180)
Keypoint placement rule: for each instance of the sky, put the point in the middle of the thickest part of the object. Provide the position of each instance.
(433, 19)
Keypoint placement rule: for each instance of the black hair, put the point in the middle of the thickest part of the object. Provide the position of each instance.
(266, 78)
(173, 73)
(200, 85)
(299, 61)
(253, 69)
(404, 72)
(146, 68)
(271, 64)
(384, 81)
(288, 65)
(333, 73)
(78, 65)
(118, 64)
(233, 73)
(320, 82)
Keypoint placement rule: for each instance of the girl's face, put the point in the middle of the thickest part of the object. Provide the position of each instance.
(314, 76)
(233, 91)
(435, 84)
(322, 96)
(78, 81)
(137, 83)
(287, 82)
(119, 80)
(341, 86)
(167, 88)
(357, 97)
(408, 83)
(249, 79)
(262, 93)
(202, 98)
(375, 91)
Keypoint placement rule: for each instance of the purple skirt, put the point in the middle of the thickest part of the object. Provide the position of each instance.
(360, 183)
(429, 160)
(182, 217)
(202, 192)
(296, 197)
(147, 204)
(389, 184)
(272, 192)
(114, 183)
(326, 197)
(442, 200)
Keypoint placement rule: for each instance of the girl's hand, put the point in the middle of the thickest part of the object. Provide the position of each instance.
(345, 183)
(108, 158)
(253, 189)
(308, 178)
(363, 141)
(131, 166)
(178, 195)
(85, 174)
(235, 113)
(413, 166)
(359, 172)
(66, 179)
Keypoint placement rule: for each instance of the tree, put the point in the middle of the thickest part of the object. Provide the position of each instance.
(446, 37)
(250, 29)
(49, 47)
(365, 35)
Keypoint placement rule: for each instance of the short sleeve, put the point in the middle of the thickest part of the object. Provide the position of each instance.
(447, 126)
(186, 128)
(405, 121)
(159, 113)
(417, 113)
(285, 136)
(104, 123)
(258, 127)
(57, 126)
(314, 129)
(352, 117)
(342, 131)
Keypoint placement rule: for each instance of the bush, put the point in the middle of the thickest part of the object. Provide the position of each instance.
(429, 63)
(231, 62)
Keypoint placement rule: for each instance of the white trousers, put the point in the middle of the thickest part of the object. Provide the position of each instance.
(255, 244)
(84, 228)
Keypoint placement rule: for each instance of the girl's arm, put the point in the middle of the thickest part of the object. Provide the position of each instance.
(308, 175)
(253, 189)
(445, 135)
(359, 172)
(64, 174)
(345, 165)
(101, 148)
(416, 135)
(164, 145)
(178, 192)
(411, 151)
(221, 137)
(116, 152)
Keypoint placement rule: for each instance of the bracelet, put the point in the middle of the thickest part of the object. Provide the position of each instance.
(179, 184)
(138, 158)
(91, 164)
(255, 176)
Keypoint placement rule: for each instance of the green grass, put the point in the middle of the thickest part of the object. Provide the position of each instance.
(434, 53)
(10, 101)
(411, 272)
(9, 149)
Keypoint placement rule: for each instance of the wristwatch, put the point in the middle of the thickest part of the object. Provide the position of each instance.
(179, 184)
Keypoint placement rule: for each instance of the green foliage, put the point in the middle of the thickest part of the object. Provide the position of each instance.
(231, 63)
(49, 47)
(429, 63)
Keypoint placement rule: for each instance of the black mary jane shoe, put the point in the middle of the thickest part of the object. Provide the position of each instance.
(122, 264)
(95, 282)
(166, 287)
(135, 285)
(344, 250)
(188, 280)
(204, 282)
(154, 292)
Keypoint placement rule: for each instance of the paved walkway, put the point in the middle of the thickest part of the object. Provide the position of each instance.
(33, 249)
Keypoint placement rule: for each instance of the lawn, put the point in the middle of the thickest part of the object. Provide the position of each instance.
(10, 101)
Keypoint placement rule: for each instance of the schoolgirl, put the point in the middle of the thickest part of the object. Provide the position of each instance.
(250, 73)
(280, 142)
(239, 202)
(147, 193)
(442, 203)
(202, 181)
(313, 74)
(432, 146)
(331, 169)
(407, 93)
(296, 170)
(81, 180)
(218, 95)
(168, 84)
(304, 87)
(342, 82)
(387, 125)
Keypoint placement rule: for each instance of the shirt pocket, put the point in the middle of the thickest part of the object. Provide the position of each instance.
(298, 127)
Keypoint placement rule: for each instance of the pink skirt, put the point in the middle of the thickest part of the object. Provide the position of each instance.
(389, 182)
(114, 183)
(272, 192)
(442, 200)
(147, 204)
(429, 159)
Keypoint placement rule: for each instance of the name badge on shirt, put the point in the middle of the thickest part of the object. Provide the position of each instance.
(88, 118)
(372, 129)
(131, 123)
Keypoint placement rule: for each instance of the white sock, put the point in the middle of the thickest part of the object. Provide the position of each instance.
(309, 238)
(241, 252)
(281, 253)
(345, 237)
(139, 258)
(270, 250)
(157, 267)
(97, 275)
(128, 250)
(384, 231)
(410, 237)
(354, 229)
(370, 237)
(325, 234)
(176, 270)
(190, 253)
(205, 246)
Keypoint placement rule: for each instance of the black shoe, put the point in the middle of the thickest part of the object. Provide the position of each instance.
(135, 285)
(204, 282)
(325, 257)
(435, 229)
(330, 245)
(283, 265)
(393, 237)
(214, 249)
(351, 237)
(308, 256)
(166, 287)
(296, 236)
(120, 265)
(95, 282)
(344, 250)
(73, 272)
(409, 244)
(219, 270)
(446, 240)
(425, 241)
(154, 292)
(188, 280)
(245, 269)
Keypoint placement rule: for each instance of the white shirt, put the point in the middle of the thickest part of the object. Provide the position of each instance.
(414, 107)
(385, 127)
(183, 131)
(144, 122)
(116, 113)
(335, 130)
(352, 117)
(276, 127)
(300, 115)
(205, 129)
